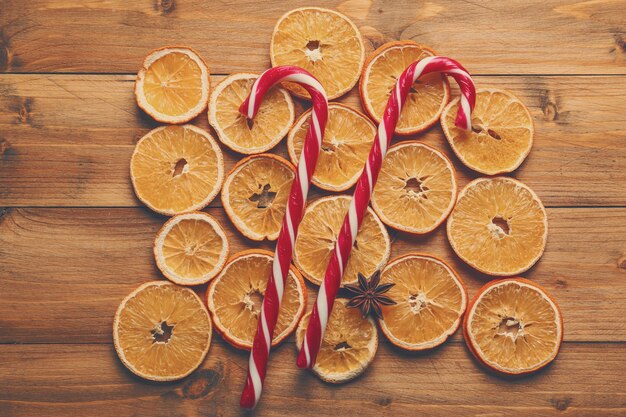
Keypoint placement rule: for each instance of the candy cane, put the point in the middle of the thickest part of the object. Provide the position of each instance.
(365, 186)
(259, 354)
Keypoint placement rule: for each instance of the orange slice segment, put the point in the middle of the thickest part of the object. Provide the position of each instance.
(430, 301)
(272, 122)
(191, 248)
(323, 42)
(173, 85)
(161, 331)
(347, 141)
(416, 188)
(317, 235)
(349, 345)
(235, 298)
(177, 169)
(513, 326)
(502, 132)
(427, 98)
(255, 195)
(498, 226)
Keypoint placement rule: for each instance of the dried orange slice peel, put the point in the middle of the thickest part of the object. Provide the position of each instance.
(255, 195)
(513, 326)
(191, 248)
(162, 331)
(173, 85)
(316, 241)
(416, 188)
(177, 169)
(235, 297)
(501, 136)
(325, 43)
(349, 345)
(272, 122)
(427, 98)
(430, 300)
(498, 226)
(347, 140)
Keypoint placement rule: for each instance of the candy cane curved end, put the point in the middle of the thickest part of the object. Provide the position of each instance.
(455, 70)
(276, 75)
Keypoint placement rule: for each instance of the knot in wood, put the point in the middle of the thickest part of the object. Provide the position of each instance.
(164, 6)
(549, 106)
(202, 382)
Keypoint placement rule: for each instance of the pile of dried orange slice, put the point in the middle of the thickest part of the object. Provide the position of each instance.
(497, 225)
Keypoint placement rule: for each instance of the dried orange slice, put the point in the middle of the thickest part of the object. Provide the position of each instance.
(349, 345)
(323, 42)
(513, 326)
(347, 140)
(236, 295)
(173, 85)
(191, 248)
(317, 235)
(176, 169)
(416, 188)
(272, 122)
(502, 132)
(498, 226)
(255, 195)
(430, 301)
(427, 98)
(161, 331)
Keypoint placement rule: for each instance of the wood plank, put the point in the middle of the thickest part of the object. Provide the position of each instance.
(62, 380)
(520, 37)
(63, 272)
(67, 140)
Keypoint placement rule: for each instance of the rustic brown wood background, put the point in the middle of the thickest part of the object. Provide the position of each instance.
(74, 240)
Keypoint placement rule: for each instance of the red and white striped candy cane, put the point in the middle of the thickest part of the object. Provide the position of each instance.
(259, 354)
(365, 186)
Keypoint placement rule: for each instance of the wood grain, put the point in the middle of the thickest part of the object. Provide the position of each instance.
(74, 240)
(64, 271)
(58, 380)
(112, 36)
(67, 140)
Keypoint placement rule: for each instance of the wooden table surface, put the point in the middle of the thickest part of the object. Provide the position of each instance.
(74, 240)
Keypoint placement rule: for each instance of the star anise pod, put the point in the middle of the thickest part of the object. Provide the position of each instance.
(368, 295)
